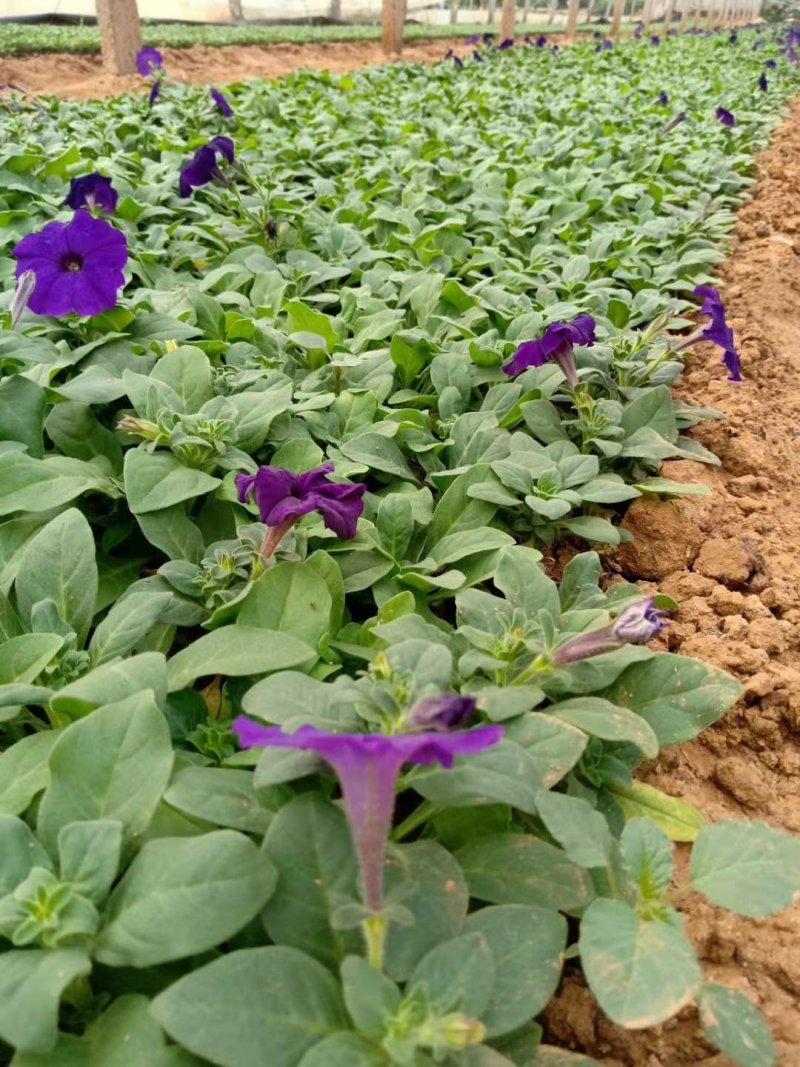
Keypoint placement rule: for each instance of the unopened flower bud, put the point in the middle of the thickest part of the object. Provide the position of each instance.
(443, 711)
(459, 1031)
(26, 283)
(635, 625)
(141, 427)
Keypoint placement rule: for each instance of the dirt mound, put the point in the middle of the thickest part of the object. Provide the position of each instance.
(733, 560)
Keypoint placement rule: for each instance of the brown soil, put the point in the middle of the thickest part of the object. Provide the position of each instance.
(733, 561)
(82, 76)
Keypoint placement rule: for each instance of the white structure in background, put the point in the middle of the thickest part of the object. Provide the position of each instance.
(220, 10)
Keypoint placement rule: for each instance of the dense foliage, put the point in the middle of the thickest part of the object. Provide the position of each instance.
(344, 288)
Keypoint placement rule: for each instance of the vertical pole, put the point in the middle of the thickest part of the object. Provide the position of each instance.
(453, 12)
(572, 20)
(391, 35)
(120, 34)
(491, 9)
(668, 14)
(508, 18)
(616, 19)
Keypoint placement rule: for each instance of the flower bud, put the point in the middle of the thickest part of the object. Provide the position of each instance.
(639, 622)
(26, 283)
(459, 1031)
(443, 711)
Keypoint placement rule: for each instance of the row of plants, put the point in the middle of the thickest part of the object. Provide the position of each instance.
(306, 759)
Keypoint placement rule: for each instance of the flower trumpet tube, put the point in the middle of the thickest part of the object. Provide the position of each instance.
(555, 345)
(635, 625)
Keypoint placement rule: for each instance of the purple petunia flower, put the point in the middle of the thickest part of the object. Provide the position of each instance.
(91, 190)
(77, 264)
(635, 625)
(541, 41)
(473, 38)
(791, 54)
(282, 496)
(148, 60)
(663, 99)
(456, 59)
(771, 64)
(506, 44)
(725, 117)
(155, 92)
(222, 103)
(488, 38)
(655, 39)
(679, 118)
(202, 167)
(444, 711)
(367, 766)
(556, 344)
(477, 56)
(763, 84)
(639, 30)
(718, 329)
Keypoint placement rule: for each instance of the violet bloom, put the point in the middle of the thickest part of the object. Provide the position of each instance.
(639, 30)
(679, 118)
(556, 344)
(663, 99)
(506, 44)
(771, 64)
(541, 41)
(477, 56)
(718, 331)
(222, 103)
(635, 625)
(444, 711)
(155, 92)
(367, 766)
(202, 167)
(282, 496)
(791, 54)
(763, 84)
(77, 264)
(655, 39)
(725, 117)
(148, 61)
(92, 190)
(473, 38)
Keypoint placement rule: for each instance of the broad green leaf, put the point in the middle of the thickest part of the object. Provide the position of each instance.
(289, 598)
(89, 855)
(601, 718)
(157, 480)
(25, 771)
(503, 773)
(222, 797)
(679, 819)
(581, 831)
(31, 984)
(238, 650)
(527, 946)
(171, 530)
(747, 867)
(677, 696)
(521, 869)
(457, 975)
(647, 854)
(128, 621)
(344, 1050)
(183, 896)
(114, 764)
(735, 1026)
(20, 852)
(59, 565)
(28, 484)
(641, 971)
(112, 682)
(23, 658)
(371, 998)
(553, 746)
(22, 405)
(259, 1007)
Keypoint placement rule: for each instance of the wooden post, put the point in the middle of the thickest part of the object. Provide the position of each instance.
(668, 14)
(616, 19)
(508, 19)
(572, 21)
(453, 12)
(392, 30)
(120, 34)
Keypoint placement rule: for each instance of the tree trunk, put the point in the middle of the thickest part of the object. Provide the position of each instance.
(120, 34)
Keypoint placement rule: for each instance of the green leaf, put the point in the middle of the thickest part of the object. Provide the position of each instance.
(641, 971)
(25, 771)
(89, 855)
(679, 819)
(579, 829)
(236, 651)
(23, 658)
(735, 1026)
(554, 747)
(186, 369)
(28, 484)
(310, 845)
(344, 1050)
(647, 854)
(503, 773)
(222, 797)
(157, 480)
(289, 598)
(521, 869)
(677, 696)
(379, 452)
(172, 531)
(128, 621)
(31, 984)
(114, 764)
(601, 718)
(371, 998)
(259, 1007)
(521, 579)
(183, 896)
(457, 975)
(395, 524)
(653, 409)
(20, 852)
(22, 404)
(58, 564)
(112, 682)
(527, 946)
(747, 867)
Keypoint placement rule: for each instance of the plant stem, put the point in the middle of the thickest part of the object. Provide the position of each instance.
(425, 811)
(374, 929)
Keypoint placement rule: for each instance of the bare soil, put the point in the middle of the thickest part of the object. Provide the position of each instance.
(733, 561)
(82, 76)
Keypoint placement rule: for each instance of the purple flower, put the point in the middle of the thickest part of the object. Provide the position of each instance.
(663, 99)
(272, 229)
(444, 711)
(655, 39)
(604, 45)
(451, 55)
(155, 92)
(477, 56)
(791, 54)
(635, 625)
(506, 44)
(282, 496)
(473, 38)
(734, 37)
(556, 343)
(148, 60)
(763, 83)
(541, 41)
(771, 64)
(91, 190)
(488, 38)
(639, 30)
(221, 102)
(679, 118)
(725, 117)
(718, 331)
(202, 167)
(77, 264)
(367, 766)
(757, 44)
